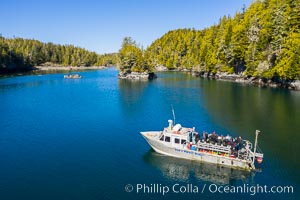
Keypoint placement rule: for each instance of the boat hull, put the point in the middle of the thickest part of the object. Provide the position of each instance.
(181, 152)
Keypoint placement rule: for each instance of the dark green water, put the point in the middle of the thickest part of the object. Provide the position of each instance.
(79, 139)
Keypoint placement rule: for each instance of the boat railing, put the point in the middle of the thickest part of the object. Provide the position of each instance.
(214, 147)
(250, 154)
(259, 155)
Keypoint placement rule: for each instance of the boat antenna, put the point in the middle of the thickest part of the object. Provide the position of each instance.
(173, 112)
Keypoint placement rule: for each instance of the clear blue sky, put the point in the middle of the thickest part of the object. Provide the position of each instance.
(101, 25)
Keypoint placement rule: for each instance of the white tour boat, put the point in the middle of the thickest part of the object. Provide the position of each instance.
(181, 142)
(72, 76)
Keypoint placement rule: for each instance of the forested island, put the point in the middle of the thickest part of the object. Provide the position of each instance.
(133, 62)
(18, 55)
(261, 42)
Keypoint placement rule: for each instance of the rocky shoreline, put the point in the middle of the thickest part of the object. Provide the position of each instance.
(137, 75)
(161, 68)
(69, 68)
(46, 67)
(261, 82)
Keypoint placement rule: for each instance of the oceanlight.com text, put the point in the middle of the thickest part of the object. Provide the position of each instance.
(156, 188)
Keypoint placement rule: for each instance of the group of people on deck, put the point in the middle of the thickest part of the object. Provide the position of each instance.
(236, 143)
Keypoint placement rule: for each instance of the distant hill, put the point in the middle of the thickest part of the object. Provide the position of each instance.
(17, 54)
(263, 41)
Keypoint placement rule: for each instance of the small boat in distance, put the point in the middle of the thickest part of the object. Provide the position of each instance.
(181, 142)
(74, 76)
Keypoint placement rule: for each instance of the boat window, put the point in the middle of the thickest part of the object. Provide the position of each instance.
(167, 139)
(183, 141)
(177, 140)
(162, 138)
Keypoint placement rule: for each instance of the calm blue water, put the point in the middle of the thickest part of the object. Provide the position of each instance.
(79, 139)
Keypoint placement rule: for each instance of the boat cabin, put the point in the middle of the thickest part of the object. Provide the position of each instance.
(175, 136)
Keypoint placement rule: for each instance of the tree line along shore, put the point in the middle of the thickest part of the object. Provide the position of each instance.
(18, 55)
(260, 44)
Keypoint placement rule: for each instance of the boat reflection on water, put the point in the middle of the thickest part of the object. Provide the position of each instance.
(183, 170)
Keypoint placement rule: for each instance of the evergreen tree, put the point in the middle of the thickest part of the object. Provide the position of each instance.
(131, 57)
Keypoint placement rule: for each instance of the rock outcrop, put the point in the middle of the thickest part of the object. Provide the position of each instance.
(137, 75)
(161, 68)
(295, 85)
(241, 78)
